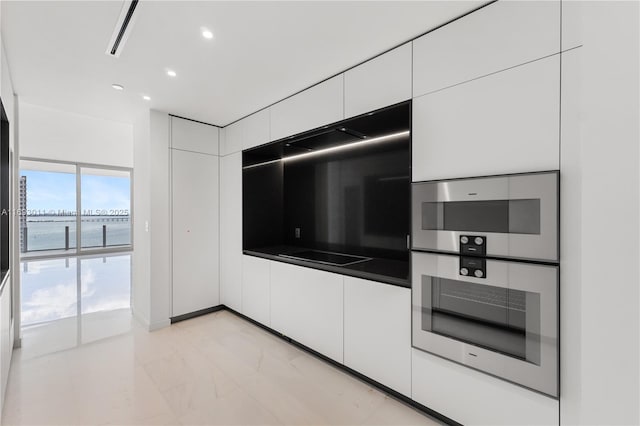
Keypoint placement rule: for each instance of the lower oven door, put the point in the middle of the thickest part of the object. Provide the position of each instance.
(505, 324)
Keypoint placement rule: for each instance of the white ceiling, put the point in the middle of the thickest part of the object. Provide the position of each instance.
(262, 51)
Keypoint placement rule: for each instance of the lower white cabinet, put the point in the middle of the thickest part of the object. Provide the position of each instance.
(231, 231)
(474, 398)
(256, 289)
(503, 123)
(377, 332)
(6, 337)
(195, 273)
(307, 306)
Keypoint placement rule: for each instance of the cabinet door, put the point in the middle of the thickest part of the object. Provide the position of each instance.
(319, 105)
(232, 139)
(231, 231)
(382, 81)
(471, 397)
(189, 135)
(6, 342)
(256, 129)
(194, 180)
(256, 289)
(504, 123)
(494, 38)
(306, 305)
(377, 332)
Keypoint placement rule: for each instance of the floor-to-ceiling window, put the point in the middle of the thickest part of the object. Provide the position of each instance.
(75, 245)
(71, 208)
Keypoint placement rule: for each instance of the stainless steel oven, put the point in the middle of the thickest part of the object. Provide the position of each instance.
(503, 321)
(509, 216)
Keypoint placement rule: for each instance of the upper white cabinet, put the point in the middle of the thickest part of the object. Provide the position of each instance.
(256, 129)
(189, 135)
(256, 290)
(377, 332)
(504, 123)
(232, 141)
(474, 398)
(572, 22)
(319, 105)
(496, 37)
(231, 231)
(195, 274)
(382, 81)
(307, 305)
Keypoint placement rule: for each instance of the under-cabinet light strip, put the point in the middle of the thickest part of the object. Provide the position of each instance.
(335, 148)
(348, 146)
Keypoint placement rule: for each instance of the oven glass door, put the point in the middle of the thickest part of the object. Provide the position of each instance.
(517, 215)
(505, 323)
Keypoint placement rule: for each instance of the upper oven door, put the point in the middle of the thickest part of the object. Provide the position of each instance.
(505, 323)
(516, 216)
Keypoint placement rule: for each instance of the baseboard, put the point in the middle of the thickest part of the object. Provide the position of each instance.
(201, 312)
(142, 320)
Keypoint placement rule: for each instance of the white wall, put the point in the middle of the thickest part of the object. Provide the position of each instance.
(151, 285)
(59, 135)
(141, 262)
(601, 186)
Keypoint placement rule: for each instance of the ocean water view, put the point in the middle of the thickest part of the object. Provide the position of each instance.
(49, 233)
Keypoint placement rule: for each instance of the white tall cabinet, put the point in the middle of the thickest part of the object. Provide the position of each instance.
(231, 231)
(194, 216)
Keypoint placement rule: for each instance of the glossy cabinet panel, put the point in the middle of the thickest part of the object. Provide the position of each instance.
(501, 35)
(256, 289)
(470, 397)
(231, 231)
(504, 123)
(189, 135)
(377, 332)
(307, 305)
(314, 107)
(382, 81)
(195, 274)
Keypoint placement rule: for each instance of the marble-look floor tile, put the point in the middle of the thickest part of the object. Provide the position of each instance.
(217, 369)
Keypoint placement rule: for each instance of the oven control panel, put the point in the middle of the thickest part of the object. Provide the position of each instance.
(473, 267)
(473, 245)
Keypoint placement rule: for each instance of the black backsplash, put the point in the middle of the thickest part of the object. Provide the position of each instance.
(354, 201)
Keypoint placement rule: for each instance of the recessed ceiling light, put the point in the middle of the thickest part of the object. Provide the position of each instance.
(146, 98)
(117, 86)
(171, 73)
(207, 34)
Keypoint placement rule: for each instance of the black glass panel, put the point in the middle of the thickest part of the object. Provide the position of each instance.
(500, 216)
(500, 319)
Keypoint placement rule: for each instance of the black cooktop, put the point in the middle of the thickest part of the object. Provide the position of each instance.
(329, 258)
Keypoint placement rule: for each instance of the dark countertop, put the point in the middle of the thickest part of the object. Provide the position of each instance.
(388, 271)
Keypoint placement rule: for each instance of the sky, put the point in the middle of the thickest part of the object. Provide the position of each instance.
(57, 191)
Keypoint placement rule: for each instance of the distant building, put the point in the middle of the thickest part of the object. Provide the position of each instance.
(23, 213)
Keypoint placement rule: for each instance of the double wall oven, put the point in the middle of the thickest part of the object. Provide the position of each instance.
(485, 275)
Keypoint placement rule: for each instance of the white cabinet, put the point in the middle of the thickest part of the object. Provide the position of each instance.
(377, 332)
(256, 289)
(6, 337)
(231, 231)
(307, 305)
(232, 141)
(504, 123)
(382, 81)
(316, 106)
(194, 189)
(256, 129)
(496, 37)
(470, 397)
(189, 135)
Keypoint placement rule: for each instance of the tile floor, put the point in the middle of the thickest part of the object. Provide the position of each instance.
(217, 369)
